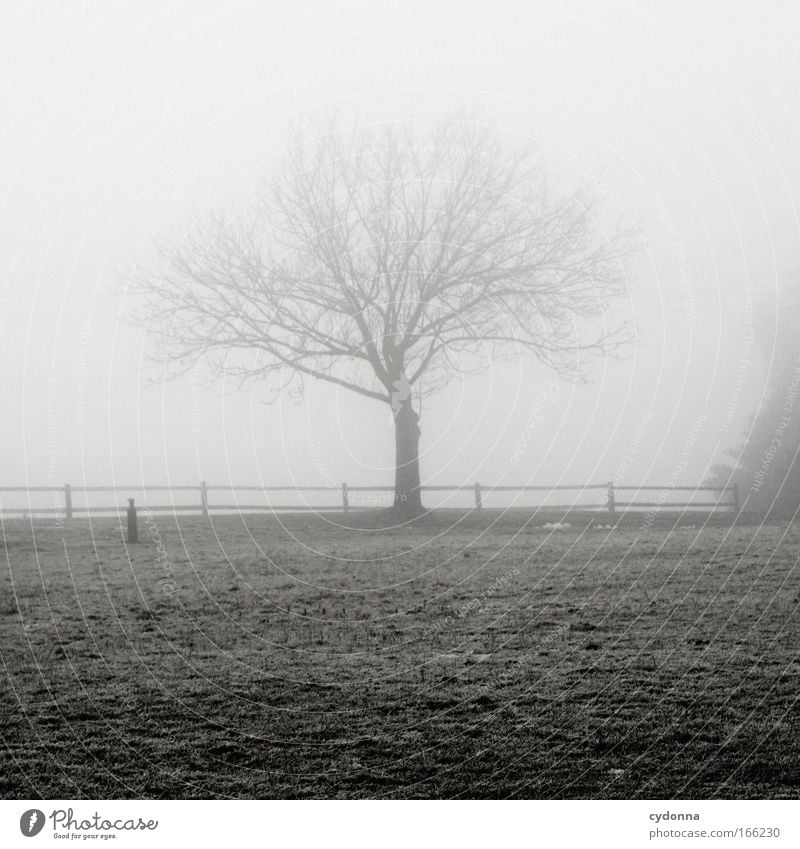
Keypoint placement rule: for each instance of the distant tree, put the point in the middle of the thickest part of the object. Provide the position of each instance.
(387, 264)
(766, 463)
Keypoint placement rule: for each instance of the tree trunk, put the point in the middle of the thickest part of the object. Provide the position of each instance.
(407, 499)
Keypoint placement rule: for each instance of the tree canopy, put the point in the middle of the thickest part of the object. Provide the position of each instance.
(386, 262)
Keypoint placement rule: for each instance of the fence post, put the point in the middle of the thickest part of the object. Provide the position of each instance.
(345, 498)
(735, 502)
(612, 502)
(204, 498)
(478, 501)
(68, 500)
(133, 528)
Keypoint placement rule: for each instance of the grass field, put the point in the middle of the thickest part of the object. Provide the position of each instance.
(465, 657)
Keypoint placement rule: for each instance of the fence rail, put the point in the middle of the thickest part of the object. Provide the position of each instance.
(66, 508)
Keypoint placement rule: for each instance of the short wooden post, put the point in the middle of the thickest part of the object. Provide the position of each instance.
(204, 498)
(68, 500)
(478, 501)
(133, 528)
(735, 493)
(345, 498)
(612, 502)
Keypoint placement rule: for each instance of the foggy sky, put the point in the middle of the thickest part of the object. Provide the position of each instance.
(123, 121)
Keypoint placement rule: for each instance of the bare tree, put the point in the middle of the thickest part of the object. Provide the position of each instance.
(386, 264)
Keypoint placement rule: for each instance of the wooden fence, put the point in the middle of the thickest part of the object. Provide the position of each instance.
(63, 498)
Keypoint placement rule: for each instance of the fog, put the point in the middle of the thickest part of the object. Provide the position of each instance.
(123, 122)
